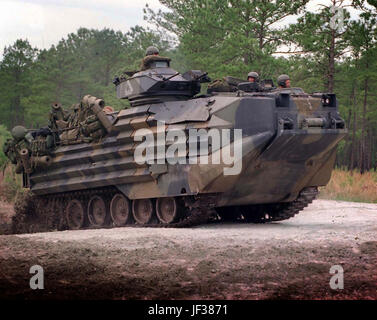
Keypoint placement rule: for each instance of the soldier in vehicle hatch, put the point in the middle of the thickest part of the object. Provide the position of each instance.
(253, 77)
(150, 54)
(284, 81)
(151, 51)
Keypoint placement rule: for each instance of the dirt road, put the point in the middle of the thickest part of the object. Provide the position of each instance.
(285, 260)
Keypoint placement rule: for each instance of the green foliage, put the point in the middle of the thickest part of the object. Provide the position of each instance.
(4, 135)
(222, 37)
(15, 79)
(12, 184)
(83, 63)
(227, 37)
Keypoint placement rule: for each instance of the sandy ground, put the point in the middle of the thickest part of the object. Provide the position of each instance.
(285, 260)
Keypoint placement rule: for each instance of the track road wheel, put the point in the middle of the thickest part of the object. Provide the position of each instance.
(60, 218)
(142, 210)
(167, 209)
(75, 214)
(97, 211)
(120, 210)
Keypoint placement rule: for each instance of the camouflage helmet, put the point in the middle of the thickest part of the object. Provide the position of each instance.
(282, 78)
(151, 51)
(253, 74)
(18, 132)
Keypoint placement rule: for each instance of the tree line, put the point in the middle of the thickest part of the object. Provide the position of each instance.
(83, 63)
(325, 50)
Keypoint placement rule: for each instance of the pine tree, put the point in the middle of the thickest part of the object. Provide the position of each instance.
(227, 36)
(15, 70)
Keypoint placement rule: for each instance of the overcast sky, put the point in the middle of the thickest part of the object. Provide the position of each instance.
(45, 22)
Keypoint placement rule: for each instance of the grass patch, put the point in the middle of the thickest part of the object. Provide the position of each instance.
(351, 186)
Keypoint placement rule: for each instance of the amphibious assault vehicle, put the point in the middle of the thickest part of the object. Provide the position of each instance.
(288, 142)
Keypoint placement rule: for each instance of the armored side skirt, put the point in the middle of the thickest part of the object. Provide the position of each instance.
(274, 169)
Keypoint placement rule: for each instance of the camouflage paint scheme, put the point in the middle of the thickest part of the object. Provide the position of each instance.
(289, 143)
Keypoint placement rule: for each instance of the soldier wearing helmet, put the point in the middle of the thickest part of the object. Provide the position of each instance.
(151, 59)
(151, 51)
(253, 77)
(284, 81)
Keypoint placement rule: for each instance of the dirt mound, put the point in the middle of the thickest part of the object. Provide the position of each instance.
(37, 214)
(6, 214)
(24, 208)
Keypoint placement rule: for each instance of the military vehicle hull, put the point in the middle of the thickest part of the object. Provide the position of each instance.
(288, 150)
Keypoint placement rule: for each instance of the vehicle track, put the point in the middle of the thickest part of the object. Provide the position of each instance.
(70, 210)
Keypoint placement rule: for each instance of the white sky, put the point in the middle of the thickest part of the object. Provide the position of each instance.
(45, 22)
